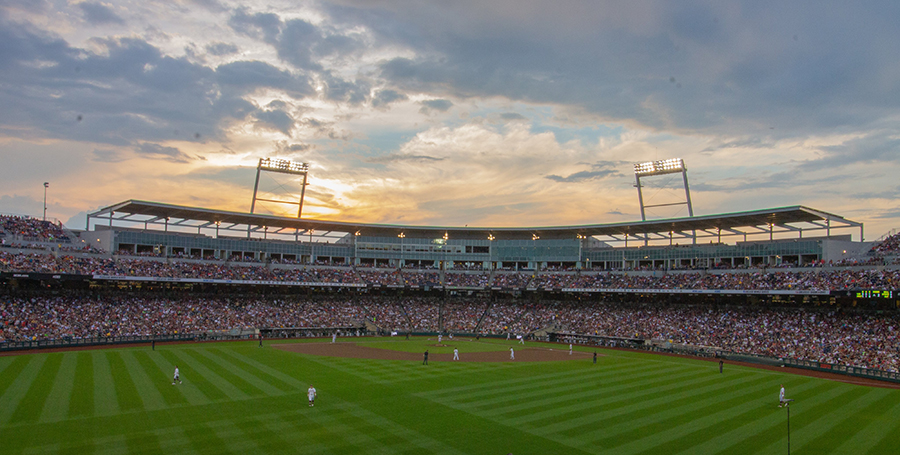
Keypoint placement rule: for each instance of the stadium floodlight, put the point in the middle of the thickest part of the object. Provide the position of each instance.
(662, 167)
(281, 166)
(659, 167)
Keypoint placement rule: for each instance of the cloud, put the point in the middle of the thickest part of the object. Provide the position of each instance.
(600, 170)
(512, 116)
(274, 119)
(97, 13)
(220, 49)
(159, 152)
(397, 157)
(107, 156)
(440, 105)
(383, 98)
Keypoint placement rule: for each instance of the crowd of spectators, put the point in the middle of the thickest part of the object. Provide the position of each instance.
(890, 245)
(31, 229)
(864, 339)
(821, 279)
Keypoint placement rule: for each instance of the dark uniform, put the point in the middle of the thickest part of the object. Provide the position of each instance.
(425, 362)
(595, 357)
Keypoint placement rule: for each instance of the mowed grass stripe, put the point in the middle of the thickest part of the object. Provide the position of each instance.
(29, 409)
(239, 380)
(809, 415)
(197, 391)
(12, 371)
(144, 442)
(284, 381)
(20, 382)
(608, 410)
(742, 433)
(82, 400)
(889, 443)
(110, 445)
(362, 433)
(532, 406)
(127, 394)
(157, 378)
(105, 396)
(652, 433)
(874, 426)
(683, 427)
(234, 436)
(56, 407)
(242, 372)
(175, 441)
(204, 378)
(478, 394)
(148, 383)
(844, 422)
(477, 388)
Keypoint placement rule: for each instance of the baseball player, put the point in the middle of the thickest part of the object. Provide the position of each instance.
(455, 354)
(177, 377)
(512, 354)
(570, 348)
(311, 394)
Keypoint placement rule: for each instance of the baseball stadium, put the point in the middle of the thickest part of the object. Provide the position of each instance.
(295, 335)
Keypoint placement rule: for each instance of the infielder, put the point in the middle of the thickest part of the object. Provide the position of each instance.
(512, 354)
(334, 337)
(311, 394)
(570, 348)
(455, 354)
(177, 377)
(439, 338)
(522, 339)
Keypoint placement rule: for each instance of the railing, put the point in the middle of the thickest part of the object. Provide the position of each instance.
(65, 343)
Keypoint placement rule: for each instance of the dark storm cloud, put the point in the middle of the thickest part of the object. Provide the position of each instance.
(99, 14)
(385, 97)
(159, 152)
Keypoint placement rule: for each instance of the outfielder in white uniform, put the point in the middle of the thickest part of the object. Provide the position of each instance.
(781, 400)
(512, 354)
(455, 354)
(177, 377)
(570, 348)
(311, 394)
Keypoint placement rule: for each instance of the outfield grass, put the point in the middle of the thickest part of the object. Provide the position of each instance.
(238, 398)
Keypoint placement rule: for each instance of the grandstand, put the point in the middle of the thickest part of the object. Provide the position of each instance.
(299, 277)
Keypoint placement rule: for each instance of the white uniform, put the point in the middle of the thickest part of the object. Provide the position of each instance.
(334, 337)
(455, 354)
(522, 339)
(570, 348)
(439, 338)
(311, 394)
(781, 397)
(512, 354)
(177, 377)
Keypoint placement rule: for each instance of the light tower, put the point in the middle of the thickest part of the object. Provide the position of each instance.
(662, 167)
(281, 166)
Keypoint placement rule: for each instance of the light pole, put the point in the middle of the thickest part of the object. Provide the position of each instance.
(400, 260)
(491, 251)
(46, 184)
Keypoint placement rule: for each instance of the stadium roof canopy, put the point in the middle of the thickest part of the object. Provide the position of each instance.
(795, 220)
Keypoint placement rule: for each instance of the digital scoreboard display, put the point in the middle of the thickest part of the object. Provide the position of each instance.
(875, 294)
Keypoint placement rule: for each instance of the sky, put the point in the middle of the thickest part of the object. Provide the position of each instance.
(500, 113)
